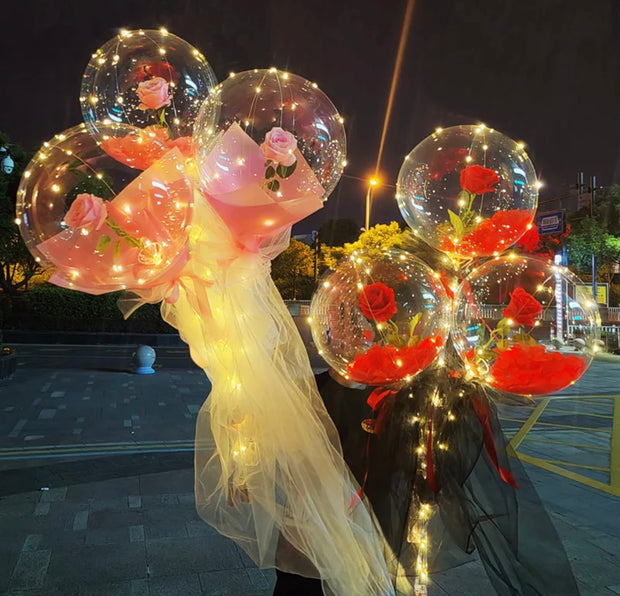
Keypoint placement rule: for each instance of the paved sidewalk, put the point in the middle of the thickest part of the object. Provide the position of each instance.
(96, 486)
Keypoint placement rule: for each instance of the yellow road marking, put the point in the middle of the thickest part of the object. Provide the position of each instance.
(589, 429)
(555, 466)
(599, 396)
(559, 462)
(534, 416)
(541, 463)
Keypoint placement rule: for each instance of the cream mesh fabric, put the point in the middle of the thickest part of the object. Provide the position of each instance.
(269, 468)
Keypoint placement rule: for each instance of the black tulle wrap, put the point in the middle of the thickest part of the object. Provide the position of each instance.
(475, 507)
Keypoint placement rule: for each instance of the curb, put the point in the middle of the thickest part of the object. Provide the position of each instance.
(18, 336)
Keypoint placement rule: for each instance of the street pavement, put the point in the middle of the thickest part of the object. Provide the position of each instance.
(96, 480)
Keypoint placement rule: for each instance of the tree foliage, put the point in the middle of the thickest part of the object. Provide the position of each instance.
(597, 233)
(17, 266)
(293, 271)
(377, 239)
(374, 241)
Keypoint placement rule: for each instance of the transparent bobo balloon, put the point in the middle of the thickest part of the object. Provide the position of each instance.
(468, 191)
(146, 78)
(258, 103)
(380, 320)
(511, 317)
(98, 224)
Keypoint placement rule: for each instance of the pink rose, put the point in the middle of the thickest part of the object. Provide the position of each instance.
(153, 93)
(279, 146)
(86, 211)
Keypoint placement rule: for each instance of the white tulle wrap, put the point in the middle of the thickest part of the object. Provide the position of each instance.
(269, 468)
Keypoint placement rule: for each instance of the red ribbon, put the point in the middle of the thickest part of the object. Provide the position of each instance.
(375, 401)
(482, 411)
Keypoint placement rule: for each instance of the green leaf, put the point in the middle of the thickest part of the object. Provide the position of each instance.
(103, 243)
(414, 323)
(270, 172)
(413, 340)
(457, 224)
(286, 171)
(273, 185)
(117, 249)
(525, 339)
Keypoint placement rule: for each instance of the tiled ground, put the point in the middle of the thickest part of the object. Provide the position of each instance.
(96, 491)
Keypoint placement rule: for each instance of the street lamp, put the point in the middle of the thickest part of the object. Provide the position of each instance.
(371, 184)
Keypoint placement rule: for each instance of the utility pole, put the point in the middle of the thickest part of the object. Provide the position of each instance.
(592, 199)
(317, 249)
(590, 191)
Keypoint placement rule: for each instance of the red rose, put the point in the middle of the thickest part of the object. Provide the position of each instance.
(477, 180)
(377, 302)
(384, 365)
(523, 308)
(150, 70)
(531, 370)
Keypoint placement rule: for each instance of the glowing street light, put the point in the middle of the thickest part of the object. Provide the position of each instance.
(372, 182)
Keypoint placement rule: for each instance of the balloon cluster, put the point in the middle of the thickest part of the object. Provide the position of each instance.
(108, 204)
(470, 193)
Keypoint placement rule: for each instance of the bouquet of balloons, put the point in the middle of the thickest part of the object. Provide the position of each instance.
(180, 191)
(440, 329)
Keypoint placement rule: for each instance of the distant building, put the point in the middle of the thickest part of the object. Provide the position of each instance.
(305, 238)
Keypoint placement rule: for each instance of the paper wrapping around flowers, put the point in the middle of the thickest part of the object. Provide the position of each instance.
(155, 207)
(233, 176)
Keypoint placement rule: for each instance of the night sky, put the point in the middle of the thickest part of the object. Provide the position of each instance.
(543, 71)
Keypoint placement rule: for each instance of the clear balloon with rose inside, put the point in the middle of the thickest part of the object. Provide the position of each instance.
(511, 317)
(468, 191)
(272, 141)
(380, 319)
(149, 79)
(99, 224)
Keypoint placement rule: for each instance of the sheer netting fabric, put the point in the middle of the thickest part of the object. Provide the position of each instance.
(476, 509)
(269, 467)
